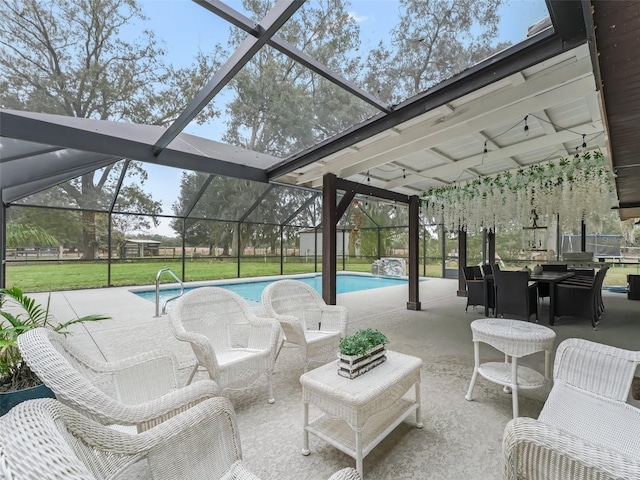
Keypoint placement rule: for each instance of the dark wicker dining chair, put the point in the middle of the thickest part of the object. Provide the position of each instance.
(579, 300)
(475, 288)
(515, 296)
(543, 287)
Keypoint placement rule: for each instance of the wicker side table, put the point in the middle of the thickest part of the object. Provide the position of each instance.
(359, 413)
(516, 339)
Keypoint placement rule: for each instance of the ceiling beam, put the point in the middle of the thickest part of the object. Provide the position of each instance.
(40, 131)
(270, 24)
(477, 117)
(244, 23)
(368, 190)
(531, 145)
(46, 179)
(31, 153)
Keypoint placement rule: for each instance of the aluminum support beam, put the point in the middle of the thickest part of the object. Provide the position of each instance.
(270, 24)
(300, 208)
(3, 243)
(33, 130)
(198, 196)
(255, 204)
(239, 20)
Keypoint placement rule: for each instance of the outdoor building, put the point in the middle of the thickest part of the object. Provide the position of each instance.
(139, 247)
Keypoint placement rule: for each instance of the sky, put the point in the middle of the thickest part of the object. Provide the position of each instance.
(182, 27)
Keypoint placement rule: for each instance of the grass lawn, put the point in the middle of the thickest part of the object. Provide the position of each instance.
(51, 276)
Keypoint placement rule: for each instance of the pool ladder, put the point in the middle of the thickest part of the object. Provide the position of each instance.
(164, 305)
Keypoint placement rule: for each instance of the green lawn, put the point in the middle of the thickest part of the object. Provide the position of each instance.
(51, 276)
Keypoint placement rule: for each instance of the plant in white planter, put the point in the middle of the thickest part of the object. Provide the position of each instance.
(361, 352)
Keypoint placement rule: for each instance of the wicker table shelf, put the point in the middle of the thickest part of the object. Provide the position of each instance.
(359, 413)
(516, 339)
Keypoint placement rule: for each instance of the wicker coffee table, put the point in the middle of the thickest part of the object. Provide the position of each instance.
(359, 413)
(516, 339)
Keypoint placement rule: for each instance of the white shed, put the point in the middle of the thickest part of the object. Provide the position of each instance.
(308, 245)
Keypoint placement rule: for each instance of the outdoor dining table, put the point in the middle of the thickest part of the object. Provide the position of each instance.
(545, 277)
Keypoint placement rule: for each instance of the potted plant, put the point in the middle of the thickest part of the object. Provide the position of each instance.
(361, 352)
(20, 313)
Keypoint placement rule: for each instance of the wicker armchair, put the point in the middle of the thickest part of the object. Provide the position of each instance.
(228, 339)
(45, 440)
(586, 429)
(140, 391)
(288, 301)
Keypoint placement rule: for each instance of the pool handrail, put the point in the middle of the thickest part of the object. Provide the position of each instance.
(164, 305)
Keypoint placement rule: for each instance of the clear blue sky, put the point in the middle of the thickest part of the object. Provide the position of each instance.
(183, 28)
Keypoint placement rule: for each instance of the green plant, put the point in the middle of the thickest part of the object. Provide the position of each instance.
(20, 313)
(362, 341)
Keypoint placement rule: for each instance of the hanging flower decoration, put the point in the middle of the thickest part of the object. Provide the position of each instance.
(575, 189)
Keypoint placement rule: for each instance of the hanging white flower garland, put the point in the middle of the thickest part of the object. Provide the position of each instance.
(573, 189)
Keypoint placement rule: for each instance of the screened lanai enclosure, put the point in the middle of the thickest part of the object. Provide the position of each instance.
(224, 227)
(273, 138)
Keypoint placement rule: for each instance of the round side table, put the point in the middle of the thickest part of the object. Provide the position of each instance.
(516, 339)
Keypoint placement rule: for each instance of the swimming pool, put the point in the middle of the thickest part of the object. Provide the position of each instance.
(252, 291)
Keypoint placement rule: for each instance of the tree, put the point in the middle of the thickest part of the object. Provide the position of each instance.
(281, 107)
(68, 57)
(434, 40)
(213, 221)
(21, 235)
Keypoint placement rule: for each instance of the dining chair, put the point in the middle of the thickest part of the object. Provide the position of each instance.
(515, 294)
(475, 288)
(477, 272)
(486, 270)
(580, 300)
(544, 290)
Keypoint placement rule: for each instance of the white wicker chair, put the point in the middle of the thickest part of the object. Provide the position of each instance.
(586, 430)
(45, 440)
(140, 391)
(287, 301)
(229, 340)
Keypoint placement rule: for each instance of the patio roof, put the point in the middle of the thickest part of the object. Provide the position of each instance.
(549, 82)
(617, 39)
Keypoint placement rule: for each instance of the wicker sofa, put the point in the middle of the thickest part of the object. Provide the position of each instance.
(586, 429)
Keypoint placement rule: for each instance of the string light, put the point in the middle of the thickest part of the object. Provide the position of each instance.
(485, 149)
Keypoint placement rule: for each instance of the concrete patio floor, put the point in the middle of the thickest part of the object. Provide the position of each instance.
(460, 439)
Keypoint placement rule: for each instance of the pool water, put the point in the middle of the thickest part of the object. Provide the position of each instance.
(252, 291)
